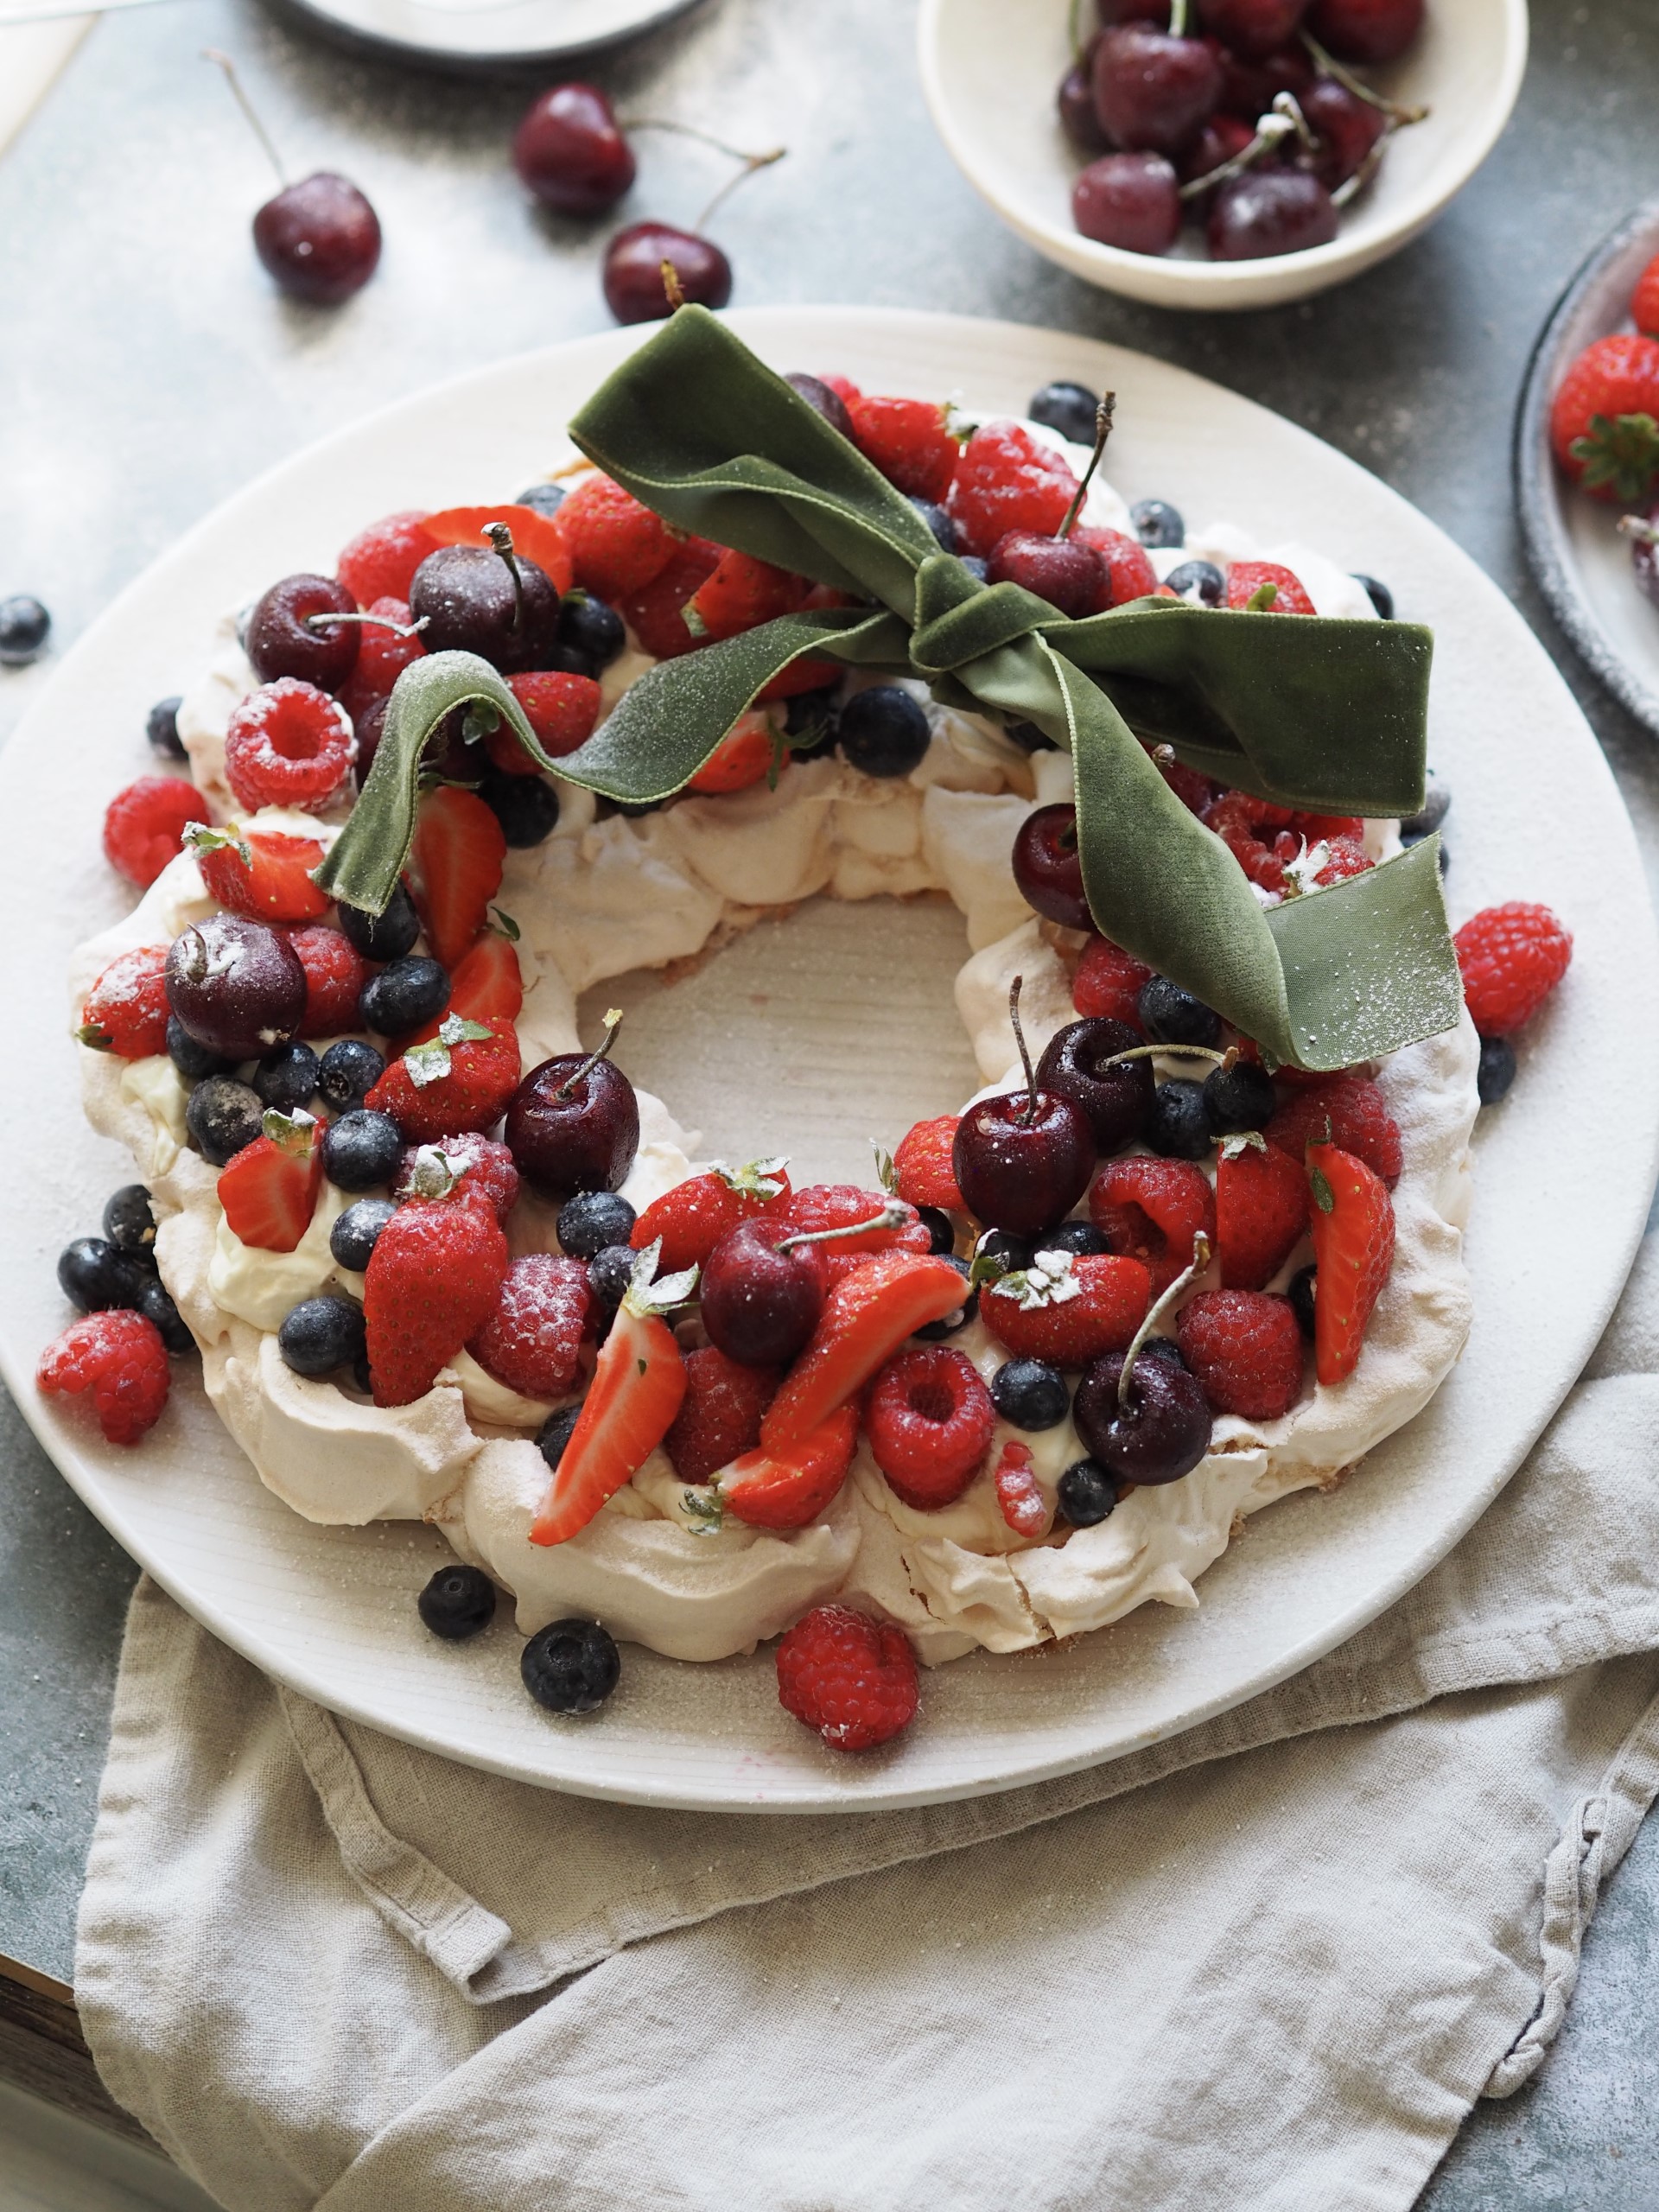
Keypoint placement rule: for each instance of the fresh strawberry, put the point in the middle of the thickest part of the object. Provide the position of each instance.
(335, 972)
(433, 1280)
(1021, 1499)
(487, 986)
(741, 593)
(532, 1341)
(1352, 1220)
(458, 855)
(637, 1389)
(748, 754)
(537, 537)
(907, 441)
(1511, 959)
(1644, 299)
(720, 1417)
(1126, 573)
(1007, 479)
(655, 612)
(616, 545)
(1274, 590)
(562, 710)
(1109, 982)
(460, 1079)
(1349, 1110)
(841, 1205)
(385, 648)
(288, 745)
(1261, 1211)
(791, 1489)
(924, 1173)
(811, 673)
(466, 1166)
(143, 825)
(849, 1678)
(691, 1219)
(1246, 1350)
(126, 1009)
(269, 1190)
(259, 872)
(380, 562)
(1068, 1308)
(866, 1316)
(929, 1419)
(1604, 423)
(119, 1360)
(1154, 1210)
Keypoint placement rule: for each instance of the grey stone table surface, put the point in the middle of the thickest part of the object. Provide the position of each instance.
(147, 371)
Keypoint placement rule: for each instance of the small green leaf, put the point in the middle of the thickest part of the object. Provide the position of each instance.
(885, 1174)
(429, 1063)
(1263, 600)
(1324, 1196)
(505, 925)
(95, 1040)
(704, 1510)
(456, 1029)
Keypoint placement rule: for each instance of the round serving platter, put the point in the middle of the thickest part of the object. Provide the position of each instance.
(330, 1611)
(489, 34)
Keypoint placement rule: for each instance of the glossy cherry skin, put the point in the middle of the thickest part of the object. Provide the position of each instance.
(466, 594)
(634, 290)
(1249, 88)
(1222, 138)
(1270, 211)
(280, 644)
(584, 1139)
(1163, 1431)
(1118, 1100)
(1346, 127)
(1155, 12)
(823, 399)
(1252, 28)
(1065, 573)
(1021, 1171)
(320, 239)
(1154, 93)
(236, 986)
(1366, 31)
(1048, 867)
(760, 1306)
(1130, 201)
(1075, 103)
(570, 153)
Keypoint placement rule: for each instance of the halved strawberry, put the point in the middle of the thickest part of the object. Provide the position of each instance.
(791, 1487)
(748, 754)
(738, 593)
(259, 872)
(537, 537)
(487, 986)
(458, 855)
(1352, 1219)
(866, 1316)
(269, 1190)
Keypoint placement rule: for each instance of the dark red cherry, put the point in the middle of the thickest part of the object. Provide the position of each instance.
(573, 1125)
(1267, 211)
(1347, 128)
(823, 399)
(635, 290)
(1154, 92)
(1076, 102)
(1254, 28)
(1222, 138)
(1118, 1100)
(281, 641)
(471, 603)
(1061, 570)
(1048, 867)
(1250, 88)
(1366, 31)
(1130, 200)
(1022, 1165)
(1161, 1433)
(236, 986)
(1133, 11)
(570, 153)
(320, 239)
(761, 1303)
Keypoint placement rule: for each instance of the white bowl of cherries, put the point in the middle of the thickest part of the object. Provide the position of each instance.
(1220, 153)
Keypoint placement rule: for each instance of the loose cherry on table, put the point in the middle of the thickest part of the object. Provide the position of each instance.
(318, 238)
(650, 267)
(1022, 1160)
(574, 1122)
(570, 152)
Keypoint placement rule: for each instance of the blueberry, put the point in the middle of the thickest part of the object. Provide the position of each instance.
(1199, 581)
(527, 807)
(408, 991)
(1164, 1348)
(459, 1600)
(195, 1062)
(884, 732)
(23, 624)
(934, 1332)
(357, 1230)
(1087, 1493)
(1177, 1127)
(940, 521)
(1014, 1252)
(976, 567)
(542, 498)
(156, 1304)
(1070, 409)
(320, 1334)
(349, 1071)
(570, 1666)
(567, 660)
(98, 1278)
(362, 1149)
(593, 1219)
(592, 627)
(383, 937)
(1080, 1237)
(1030, 1394)
(1437, 802)
(287, 1079)
(941, 1230)
(610, 1271)
(556, 1432)
(1172, 1016)
(127, 1221)
(1302, 1294)
(1497, 1070)
(1156, 523)
(161, 728)
(363, 1376)
(1238, 1097)
(1029, 738)
(224, 1117)
(1379, 594)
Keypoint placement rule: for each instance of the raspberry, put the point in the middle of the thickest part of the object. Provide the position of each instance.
(693, 1217)
(1246, 1350)
(561, 709)
(1007, 480)
(720, 1416)
(923, 1172)
(616, 545)
(907, 441)
(532, 1342)
(1128, 574)
(839, 1205)
(486, 1172)
(142, 825)
(1067, 1310)
(382, 657)
(1343, 857)
(929, 1420)
(119, 1360)
(380, 562)
(1154, 1208)
(1108, 982)
(1261, 1212)
(1511, 957)
(747, 754)
(288, 745)
(851, 1679)
(1021, 1499)
(1348, 1110)
(335, 972)
(470, 1092)
(656, 613)
(1264, 839)
(1246, 578)
(126, 1009)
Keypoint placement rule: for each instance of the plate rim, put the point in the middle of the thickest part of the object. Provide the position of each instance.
(321, 16)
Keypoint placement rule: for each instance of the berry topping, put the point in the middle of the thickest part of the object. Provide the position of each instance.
(494, 600)
(1108, 982)
(1083, 1062)
(320, 1335)
(791, 1489)
(1126, 573)
(1511, 959)
(1200, 582)
(1352, 1222)
(616, 544)
(720, 1417)
(1087, 1493)
(143, 825)
(1021, 1499)
(562, 709)
(288, 745)
(98, 1276)
(574, 1122)
(1238, 1097)
(738, 593)
(409, 994)
(385, 648)
(907, 441)
(850, 1679)
(356, 1232)
(1344, 1109)
(361, 1150)
(590, 1221)
(237, 985)
(1264, 588)
(432, 1281)
(1246, 1350)
(465, 1166)
(287, 1077)
(1065, 1309)
(1158, 523)
(458, 1602)
(289, 633)
(380, 562)
(1153, 1429)
(656, 612)
(1023, 1158)
(457, 857)
(386, 935)
(1154, 1211)
(119, 1361)
(693, 1217)
(884, 731)
(347, 1072)
(1070, 409)
(1260, 1211)
(1178, 1124)
(129, 1220)
(922, 1174)
(748, 754)
(866, 1316)
(527, 807)
(1284, 851)
(1061, 570)
(460, 1079)
(260, 872)
(570, 153)
(336, 974)
(929, 1419)
(1172, 1016)
(126, 1010)
(223, 1117)
(571, 1666)
(1031, 1394)
(1495, 1072)
(879, 1224)
(1007, 479)
(269, 1189)
(532, 1341)
(161, 728)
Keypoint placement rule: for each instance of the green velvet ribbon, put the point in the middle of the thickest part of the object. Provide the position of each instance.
(1321, 714)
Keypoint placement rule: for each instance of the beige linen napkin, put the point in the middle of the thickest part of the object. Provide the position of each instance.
(1267, 1964)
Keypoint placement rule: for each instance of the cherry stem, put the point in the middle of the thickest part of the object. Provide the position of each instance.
(1155, 1313)
(613, 1023)
(1328, 66)
(1638, 527)
(689, 130)
(751, 163)
(1355, 184)
(1104, 414)
(1224, 1061)
(671, 285)
(1178, 18)
(1074, 29)
(318, 623)
(894, 1215)
(1025, 1051)
(501, 538)
(224, 61)
(1268, 132)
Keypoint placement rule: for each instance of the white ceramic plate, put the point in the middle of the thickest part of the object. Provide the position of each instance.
(990, 71)
(495, 31)
(331, 1610)
(1582, 564)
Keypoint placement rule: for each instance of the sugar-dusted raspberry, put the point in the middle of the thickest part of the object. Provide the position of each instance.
(142, 825)
(1154, 1210)
(1245, 579)
(119, 1361)
(486, 1171)
(720, 1415)
(1020, 1498)
(929, 1420)
(380, 562)
(560, 708)
(907, 441)
(1511, 957)
(1246, 1350)
(126, 1009)
(849, 1678)
(335, 972)
(1007, 479)
(922, 1168)
(1109, 982)
(532, 1341)
(1349, 1110)
(1127, 572)
(655, 613)
(288, 745)
(383, 653)
(616, 544)
(1268, 841)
